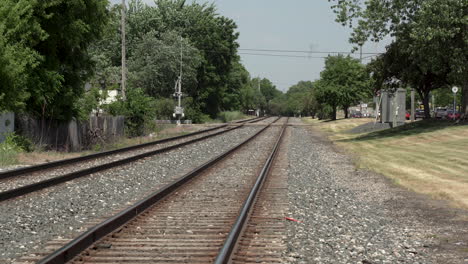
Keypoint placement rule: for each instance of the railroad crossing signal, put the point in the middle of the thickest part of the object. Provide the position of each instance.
(455, 89)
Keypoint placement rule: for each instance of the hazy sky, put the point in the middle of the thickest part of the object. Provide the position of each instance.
(286, 25)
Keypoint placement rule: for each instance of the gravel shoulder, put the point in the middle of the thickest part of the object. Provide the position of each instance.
(357, 216)
(28, 222)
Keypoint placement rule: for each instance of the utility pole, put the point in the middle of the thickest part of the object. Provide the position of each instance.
(124, 55)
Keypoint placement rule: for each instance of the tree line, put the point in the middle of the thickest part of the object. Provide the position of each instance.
(50, 49)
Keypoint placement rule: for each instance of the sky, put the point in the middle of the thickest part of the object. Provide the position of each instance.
(303, 25)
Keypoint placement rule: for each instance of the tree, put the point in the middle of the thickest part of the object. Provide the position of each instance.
(53, 37)
(210, 50)
(19, 33)
(400, 67)
(433, 31)
(343, 82)
(301, 99)
(156, 64)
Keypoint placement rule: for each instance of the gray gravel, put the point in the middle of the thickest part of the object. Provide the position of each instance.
(352, 216)
(28, 222)
(16, 182)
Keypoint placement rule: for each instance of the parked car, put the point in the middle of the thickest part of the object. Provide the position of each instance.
(356, 114)
(419, 114)
(440, 113)
(452, 115)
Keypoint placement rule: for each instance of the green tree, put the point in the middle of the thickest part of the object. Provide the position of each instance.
(155, 64)
(53, 36)
(213, 36)
(399, 67)
(432, 31)
(301, 99)
(19, 33)
(343, 82)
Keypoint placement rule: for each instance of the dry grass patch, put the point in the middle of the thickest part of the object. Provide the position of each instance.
(429, 157)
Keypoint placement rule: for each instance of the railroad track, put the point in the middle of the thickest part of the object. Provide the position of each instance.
(196, 218)
(16, 183)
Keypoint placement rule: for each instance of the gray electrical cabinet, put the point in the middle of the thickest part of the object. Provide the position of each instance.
(393, 108)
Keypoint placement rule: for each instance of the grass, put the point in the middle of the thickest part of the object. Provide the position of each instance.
(229, 116)
(429, 157)
(8, 155)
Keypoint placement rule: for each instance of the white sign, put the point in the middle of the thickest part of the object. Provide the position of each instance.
(455, 89)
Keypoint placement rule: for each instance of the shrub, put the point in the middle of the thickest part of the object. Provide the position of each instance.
(228, 116)
(8, 154)
(18, 142)
(164, 108)
(138, 110)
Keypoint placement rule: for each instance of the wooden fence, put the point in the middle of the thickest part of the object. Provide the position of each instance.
(71, 136)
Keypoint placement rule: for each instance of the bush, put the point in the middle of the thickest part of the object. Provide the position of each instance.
(138, 110)
(193, 112)
(8, 155)
(18, 142)
(164, 108)
(228, 116)
(325, 112)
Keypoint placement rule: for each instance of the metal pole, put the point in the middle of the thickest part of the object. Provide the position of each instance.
(412, 105)
(360, 55)
(454, 105)
(124, 64)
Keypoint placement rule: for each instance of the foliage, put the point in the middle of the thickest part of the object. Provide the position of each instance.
(53, 37)
(229, 116)
(193, 112)
(19, 33)
(343, 82)
(301, 99)
(17, 143)
(138, 110)
(430, 37)
(91, 101)
(211, 66)
(155, 64)
(164, 108)
(8, 154)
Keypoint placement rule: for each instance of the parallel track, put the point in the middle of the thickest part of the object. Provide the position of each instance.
(139, 234)
(36, 186)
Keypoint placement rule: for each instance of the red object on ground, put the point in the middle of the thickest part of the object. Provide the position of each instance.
(292, 219)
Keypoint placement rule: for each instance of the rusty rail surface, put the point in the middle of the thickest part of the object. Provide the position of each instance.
(78, 245)
(225, 254)
(26, 189)
(58, 163)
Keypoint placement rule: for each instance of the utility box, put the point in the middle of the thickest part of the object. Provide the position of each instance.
(393, 109)
(7, 125)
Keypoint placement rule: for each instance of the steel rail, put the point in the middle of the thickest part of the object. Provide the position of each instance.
(81, 243)
(58, 163)
(225, 254)
(20, 191)
(54, 164)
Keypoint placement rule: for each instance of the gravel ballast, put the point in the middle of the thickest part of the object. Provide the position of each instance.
(26, 223)
(30, 178)
(354, 216)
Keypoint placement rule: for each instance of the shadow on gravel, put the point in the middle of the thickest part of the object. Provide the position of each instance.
(409, 129)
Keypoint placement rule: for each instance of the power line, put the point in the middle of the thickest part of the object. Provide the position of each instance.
(280, 55)
(310, 51)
